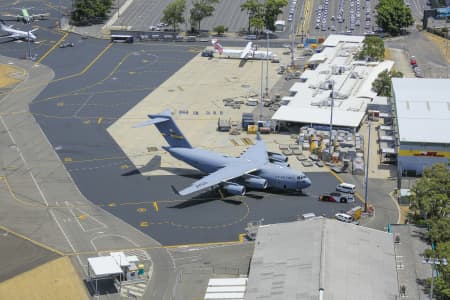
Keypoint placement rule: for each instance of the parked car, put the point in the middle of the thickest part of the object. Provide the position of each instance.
(337, 197)
(66, 44)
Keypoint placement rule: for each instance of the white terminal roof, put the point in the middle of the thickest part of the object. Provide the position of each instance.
(334, 39)
(293, 260)
(352, 86)
(423, 109)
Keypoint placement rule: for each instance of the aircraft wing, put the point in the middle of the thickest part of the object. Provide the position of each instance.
(246, 50)
(13, 36)
(256, 153)
(228, 172)
(40, 16)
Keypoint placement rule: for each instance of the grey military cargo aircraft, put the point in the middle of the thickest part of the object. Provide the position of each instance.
(256, 168)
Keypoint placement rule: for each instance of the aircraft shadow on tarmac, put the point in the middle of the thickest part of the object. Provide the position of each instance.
(155, 164)
(206, 197)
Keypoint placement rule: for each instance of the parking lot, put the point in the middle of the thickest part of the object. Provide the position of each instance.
(141, 15)
(343, 16)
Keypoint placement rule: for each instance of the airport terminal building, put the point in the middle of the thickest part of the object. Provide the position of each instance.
(335, 79)
(422, 107)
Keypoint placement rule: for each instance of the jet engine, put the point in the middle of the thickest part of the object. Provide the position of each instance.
(280, 163)
(256, 183)
(234, 189)
(273, 157)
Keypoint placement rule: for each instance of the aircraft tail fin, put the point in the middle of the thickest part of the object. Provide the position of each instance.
(218, 47)
(169, 130)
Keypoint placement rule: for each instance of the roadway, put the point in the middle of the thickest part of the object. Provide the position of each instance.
(428, 56)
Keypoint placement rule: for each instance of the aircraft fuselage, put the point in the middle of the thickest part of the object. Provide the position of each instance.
(278, 177)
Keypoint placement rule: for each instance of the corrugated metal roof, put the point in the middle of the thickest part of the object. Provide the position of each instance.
(293, 260)
(423, 109)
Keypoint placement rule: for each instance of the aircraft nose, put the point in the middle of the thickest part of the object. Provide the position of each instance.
(307, 182)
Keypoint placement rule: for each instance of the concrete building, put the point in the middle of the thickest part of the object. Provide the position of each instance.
(422, 107)
(334, 71)
(322, 259)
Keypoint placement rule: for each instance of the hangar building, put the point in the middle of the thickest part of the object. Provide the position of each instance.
(422, 107)
(322, 259)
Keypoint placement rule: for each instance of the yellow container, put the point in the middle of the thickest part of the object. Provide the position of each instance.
(252, 129)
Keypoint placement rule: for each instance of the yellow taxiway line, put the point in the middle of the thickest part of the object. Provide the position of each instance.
(52, 48)
(32, 241)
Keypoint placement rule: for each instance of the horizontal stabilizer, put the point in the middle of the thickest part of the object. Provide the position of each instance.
(150, 122)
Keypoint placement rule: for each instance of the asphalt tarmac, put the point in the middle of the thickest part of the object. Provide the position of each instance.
(95, 83)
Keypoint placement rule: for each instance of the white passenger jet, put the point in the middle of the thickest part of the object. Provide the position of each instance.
(17, 34)
(249, 52)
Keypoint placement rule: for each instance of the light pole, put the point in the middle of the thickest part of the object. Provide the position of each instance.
(302, 19)
(261, 91)
(267, 62)
(434, 262)
(446, 50)
(366, 180)
(331, 87)
(29, 46)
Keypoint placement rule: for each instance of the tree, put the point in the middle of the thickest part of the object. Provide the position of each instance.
(202, 9)
(220, 29)
(373, 48)
(430, 197)
(257, 22)
(173, 14)
(383, 84)
(90, 11)
(253, 8)
(431, 194)
(393, 15)
(441, 282)
(272, 8)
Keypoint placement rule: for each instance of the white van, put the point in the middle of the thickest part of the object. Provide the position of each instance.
(346, 188)
(343, 217)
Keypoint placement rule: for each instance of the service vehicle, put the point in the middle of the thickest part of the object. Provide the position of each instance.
(346, 188)
(343, 217)
(336, 197)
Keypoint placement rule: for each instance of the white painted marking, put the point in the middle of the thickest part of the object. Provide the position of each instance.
(75, 115)
(24, 161)
(76, 219)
